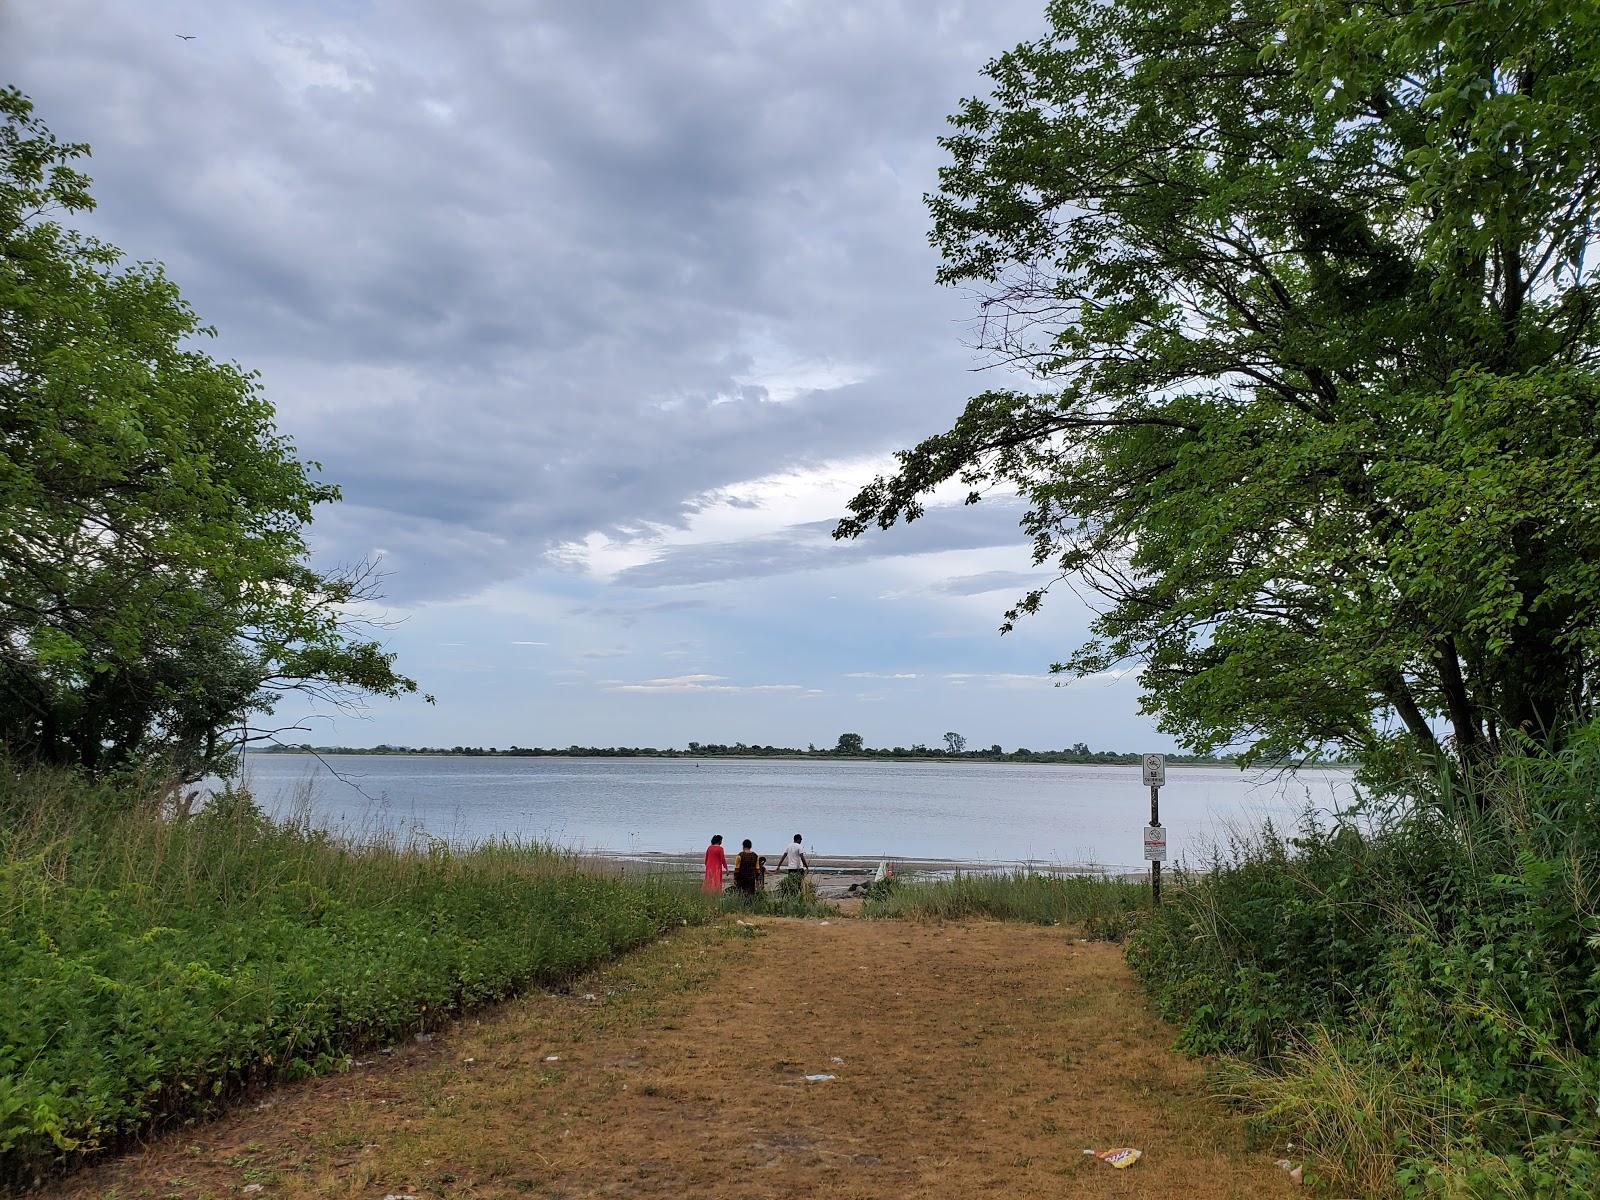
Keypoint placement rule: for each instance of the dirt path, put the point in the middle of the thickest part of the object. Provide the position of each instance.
(969, 1059)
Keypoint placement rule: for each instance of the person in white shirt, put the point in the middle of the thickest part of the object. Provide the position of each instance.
(794, 857)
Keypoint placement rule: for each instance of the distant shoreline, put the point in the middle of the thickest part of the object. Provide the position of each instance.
(1021, 757)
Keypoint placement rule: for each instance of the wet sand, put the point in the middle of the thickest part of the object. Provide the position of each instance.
(834, 875)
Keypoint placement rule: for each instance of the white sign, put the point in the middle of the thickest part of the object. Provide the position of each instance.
(1155, 770)
(1155, 843)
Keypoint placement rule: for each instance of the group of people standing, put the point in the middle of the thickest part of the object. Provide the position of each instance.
(750, 868)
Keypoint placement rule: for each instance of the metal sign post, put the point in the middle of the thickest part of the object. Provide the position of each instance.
(1155, 837)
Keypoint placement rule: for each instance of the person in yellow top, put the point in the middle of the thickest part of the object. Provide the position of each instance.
(744, 871)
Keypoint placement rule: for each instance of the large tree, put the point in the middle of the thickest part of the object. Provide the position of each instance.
(1305, 297)
(154, 584)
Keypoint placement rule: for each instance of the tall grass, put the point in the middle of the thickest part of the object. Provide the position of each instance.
(790, 895)
(1417, 1003)
(1101, 903)
(153, 965)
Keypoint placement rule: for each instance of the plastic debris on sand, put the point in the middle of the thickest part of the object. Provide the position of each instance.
(1119, 1157)
(819, 1078)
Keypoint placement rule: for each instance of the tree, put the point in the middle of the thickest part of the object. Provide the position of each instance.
(154, 588)
(954, 743)
(850, 743)
(1305, 295)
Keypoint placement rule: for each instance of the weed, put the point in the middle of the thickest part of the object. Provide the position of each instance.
(1105, 904)
(794, 896)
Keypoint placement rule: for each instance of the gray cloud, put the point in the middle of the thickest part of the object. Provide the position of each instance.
(516, 276)
(520, 273)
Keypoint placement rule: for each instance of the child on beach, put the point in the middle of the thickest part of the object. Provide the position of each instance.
(761, 873)
(716, 865)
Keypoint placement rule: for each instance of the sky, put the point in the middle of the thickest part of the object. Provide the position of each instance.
(599, 314)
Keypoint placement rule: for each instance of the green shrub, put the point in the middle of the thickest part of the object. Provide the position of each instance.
(1418, 999)
(153, 967)
(1102, 902)
(881, 889)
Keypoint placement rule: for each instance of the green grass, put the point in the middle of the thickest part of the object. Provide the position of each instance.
(1102, 905)
(788, 895)
(153, 966)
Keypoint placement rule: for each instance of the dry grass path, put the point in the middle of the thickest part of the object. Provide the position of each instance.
(970, 1060)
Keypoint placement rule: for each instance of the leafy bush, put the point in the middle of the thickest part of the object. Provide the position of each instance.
(153, 967)
(1020, 896)
(793, 896)
(1419, 999)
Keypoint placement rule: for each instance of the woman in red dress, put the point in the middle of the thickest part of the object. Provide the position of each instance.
(716, 864)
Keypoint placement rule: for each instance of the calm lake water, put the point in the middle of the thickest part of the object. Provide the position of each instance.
(972, 811)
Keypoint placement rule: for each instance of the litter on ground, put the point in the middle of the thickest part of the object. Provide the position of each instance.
(1119, 1157)
(819, 1078)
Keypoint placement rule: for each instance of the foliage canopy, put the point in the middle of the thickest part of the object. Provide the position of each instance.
(1305, 295)
(154, 587)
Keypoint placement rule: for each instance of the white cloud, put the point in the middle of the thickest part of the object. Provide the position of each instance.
(709, 684)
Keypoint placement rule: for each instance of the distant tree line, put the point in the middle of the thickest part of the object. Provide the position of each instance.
(849, 745)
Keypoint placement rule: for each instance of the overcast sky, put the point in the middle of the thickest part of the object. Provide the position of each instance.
(599, 313)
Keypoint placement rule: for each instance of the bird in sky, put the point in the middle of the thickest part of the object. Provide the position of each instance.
(187, 37)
